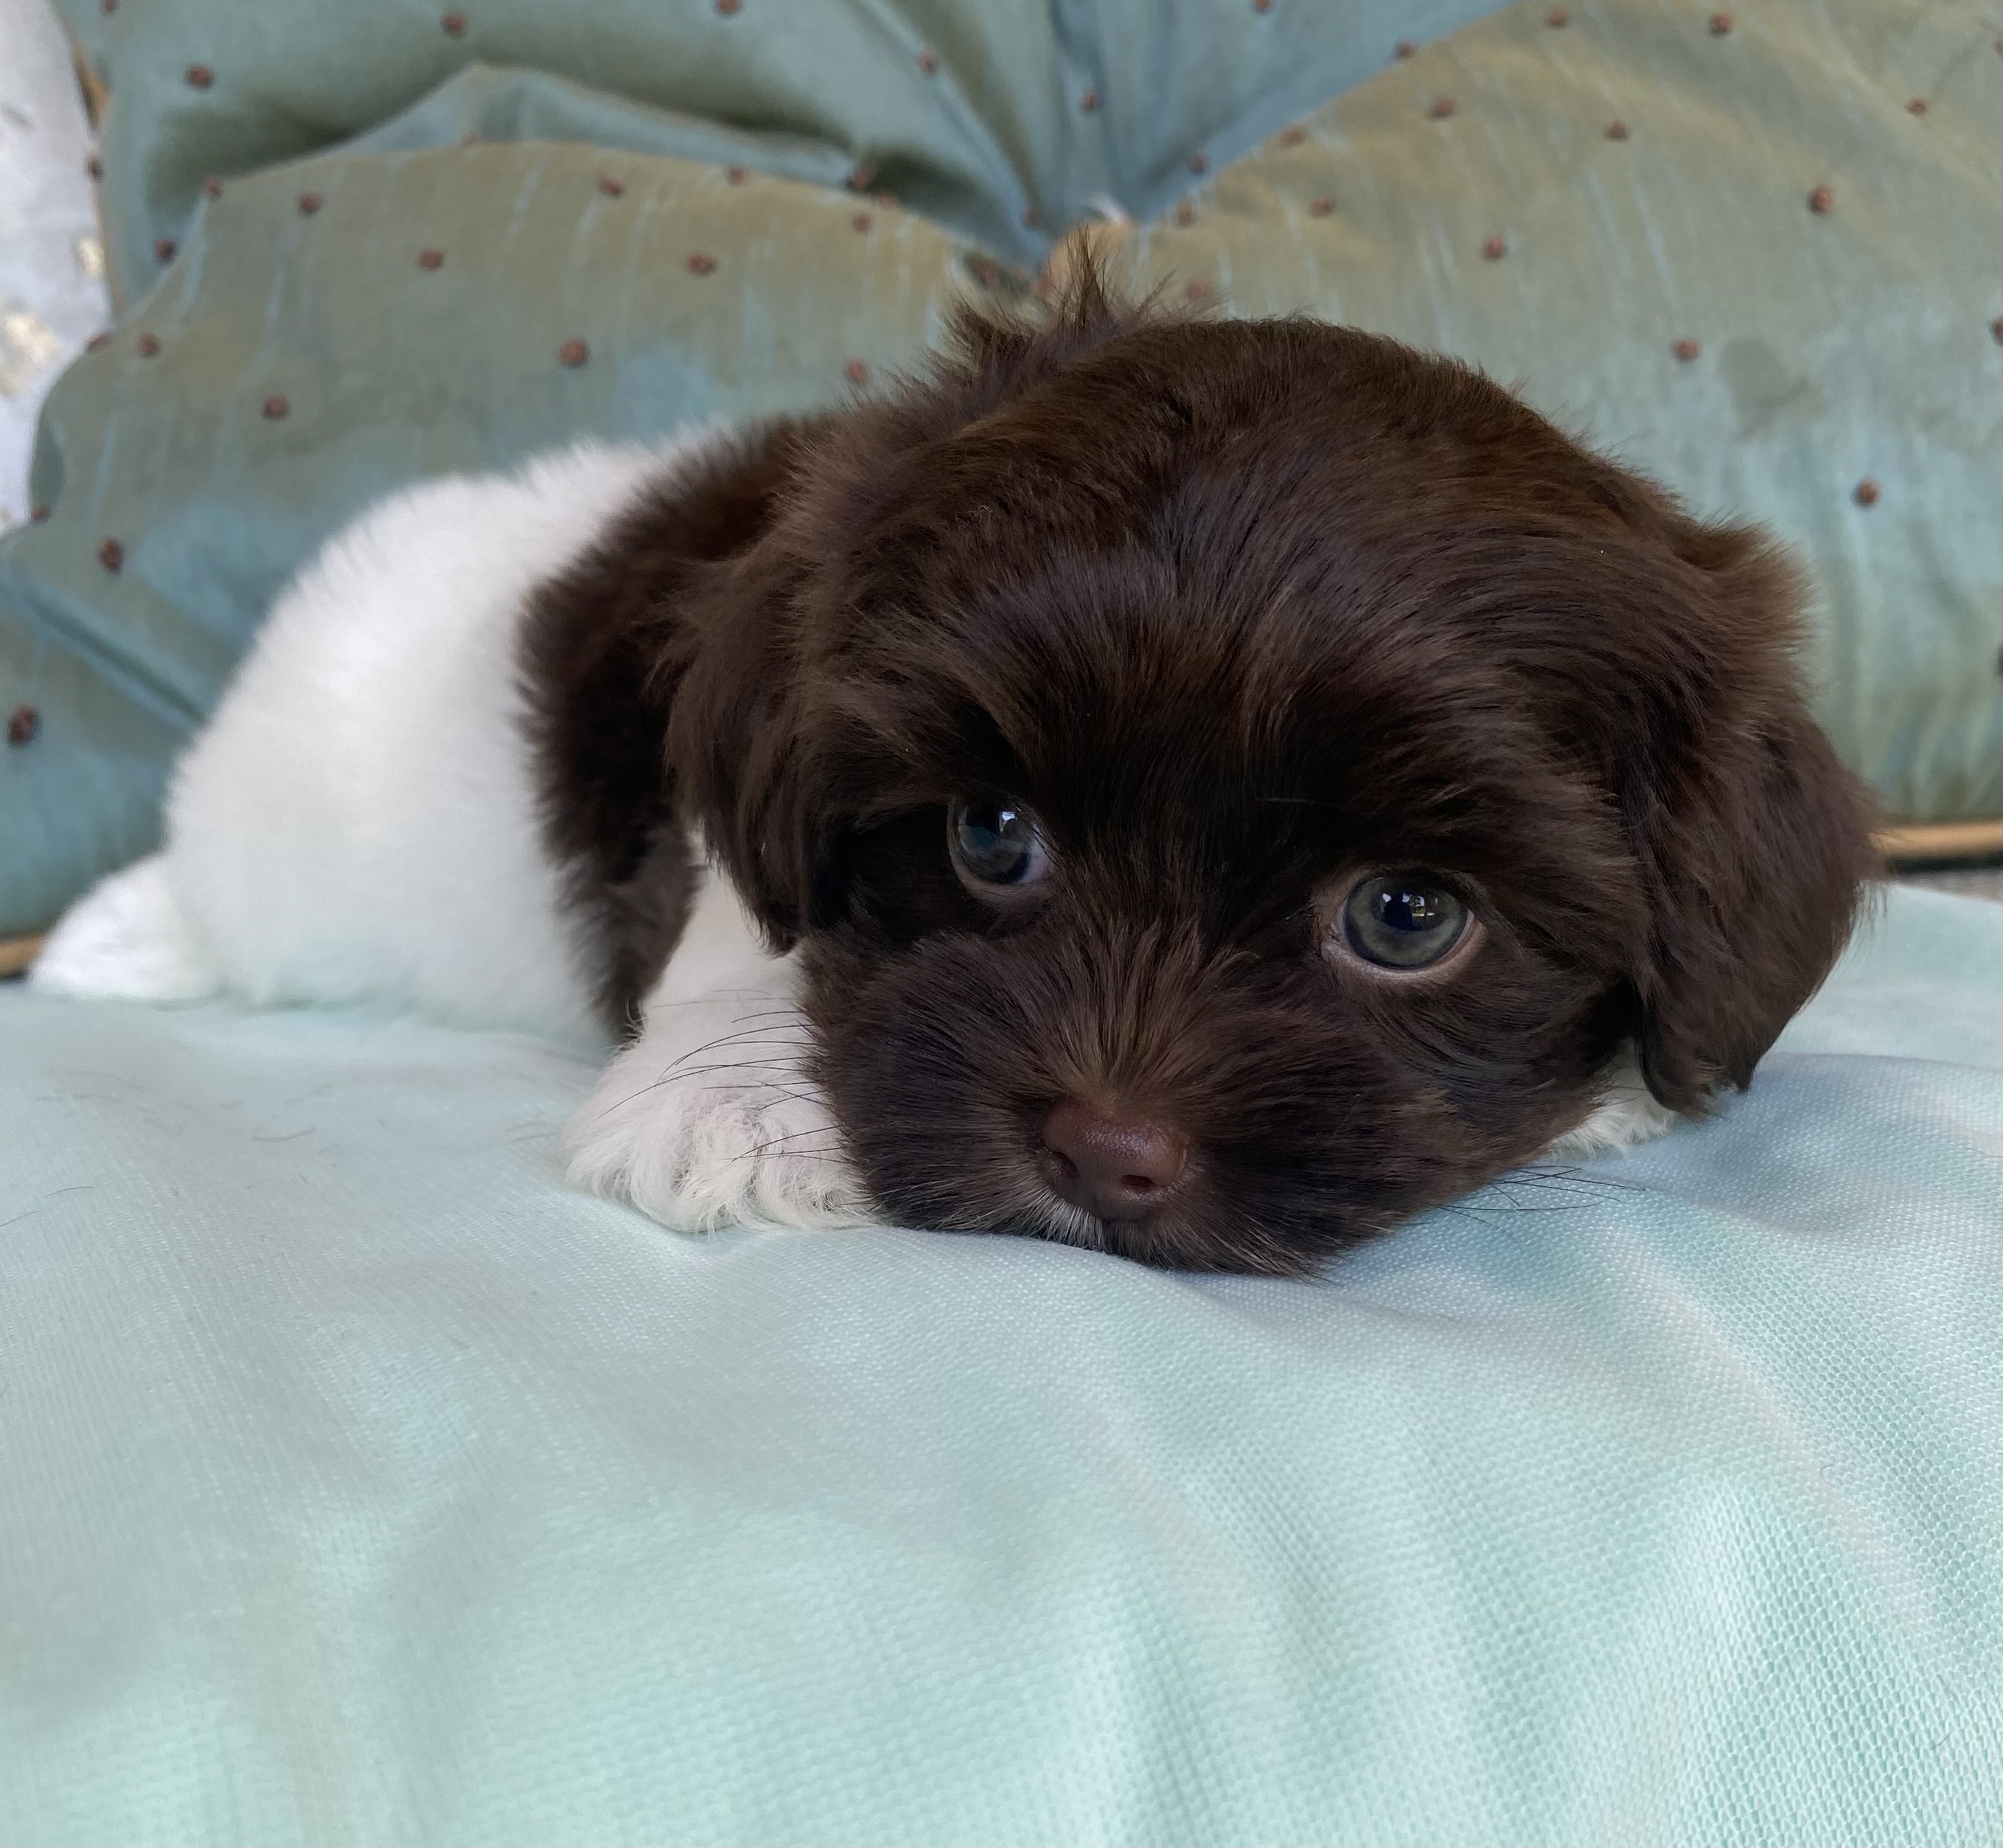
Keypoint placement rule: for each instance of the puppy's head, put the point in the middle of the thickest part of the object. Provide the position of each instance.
(1237, 784)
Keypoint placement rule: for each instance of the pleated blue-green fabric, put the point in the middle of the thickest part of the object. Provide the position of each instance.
(741, 210)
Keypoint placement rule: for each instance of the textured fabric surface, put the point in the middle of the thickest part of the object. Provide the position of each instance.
(281, 381)
(277, 367)
(365, 1485)
(1002, 121)
(1774, 287)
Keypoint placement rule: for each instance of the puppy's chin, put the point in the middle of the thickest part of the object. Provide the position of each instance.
(942, 1060)
(1171, 1239)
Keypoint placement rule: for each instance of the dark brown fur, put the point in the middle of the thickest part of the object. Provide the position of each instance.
(1236, 608)
(601, 660)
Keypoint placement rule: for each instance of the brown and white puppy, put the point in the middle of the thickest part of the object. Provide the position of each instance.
(1203, 790)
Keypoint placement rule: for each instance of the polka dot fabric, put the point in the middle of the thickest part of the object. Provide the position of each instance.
(1736, 259)
(1735, 254)
(341, 326)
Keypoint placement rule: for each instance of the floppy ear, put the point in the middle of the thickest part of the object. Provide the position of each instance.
(755, 736)
(1752, 837)
(733, 740)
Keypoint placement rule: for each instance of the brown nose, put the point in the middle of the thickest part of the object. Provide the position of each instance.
(1114, 1165)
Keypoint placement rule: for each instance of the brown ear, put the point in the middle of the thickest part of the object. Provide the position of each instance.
(757, 734)
(733, 739)
(1753, 838)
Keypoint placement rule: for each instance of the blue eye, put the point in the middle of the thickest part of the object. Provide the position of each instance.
(994, 843)
(1403, 920)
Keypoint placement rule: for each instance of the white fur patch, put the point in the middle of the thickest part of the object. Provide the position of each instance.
(1627, 1114)
(358, 820)
(126, 940)
(706, 1119)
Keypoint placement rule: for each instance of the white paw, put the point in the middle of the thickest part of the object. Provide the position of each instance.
(705, 1121)
(1627, 1114)
(126, 939)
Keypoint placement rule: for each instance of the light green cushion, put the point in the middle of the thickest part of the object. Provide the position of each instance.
(214, 502)
(1835, 346)
(363, 1484)
(976, 116)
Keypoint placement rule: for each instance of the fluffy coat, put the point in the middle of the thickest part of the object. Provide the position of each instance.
(1240, 614)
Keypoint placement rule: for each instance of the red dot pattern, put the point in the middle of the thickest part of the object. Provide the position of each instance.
(202, 77)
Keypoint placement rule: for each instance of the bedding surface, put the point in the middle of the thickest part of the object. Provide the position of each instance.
(365, 1484)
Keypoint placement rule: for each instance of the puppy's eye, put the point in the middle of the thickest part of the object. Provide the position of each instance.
(1402, 919)
(994, 843)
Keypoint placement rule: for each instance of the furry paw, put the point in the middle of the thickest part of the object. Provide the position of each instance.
(705, 1121)
(126, 939)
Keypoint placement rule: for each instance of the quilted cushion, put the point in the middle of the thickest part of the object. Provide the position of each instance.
(1673, 291)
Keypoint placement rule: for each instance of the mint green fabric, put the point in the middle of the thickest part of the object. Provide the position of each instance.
(365, 1485)
(1835, 348)
(976, 116)
(173, 456)
(1842, 357)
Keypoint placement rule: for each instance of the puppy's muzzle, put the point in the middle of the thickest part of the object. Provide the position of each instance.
(1109, 1163)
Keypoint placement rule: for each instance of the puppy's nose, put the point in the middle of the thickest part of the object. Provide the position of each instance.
(1114, 1165)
